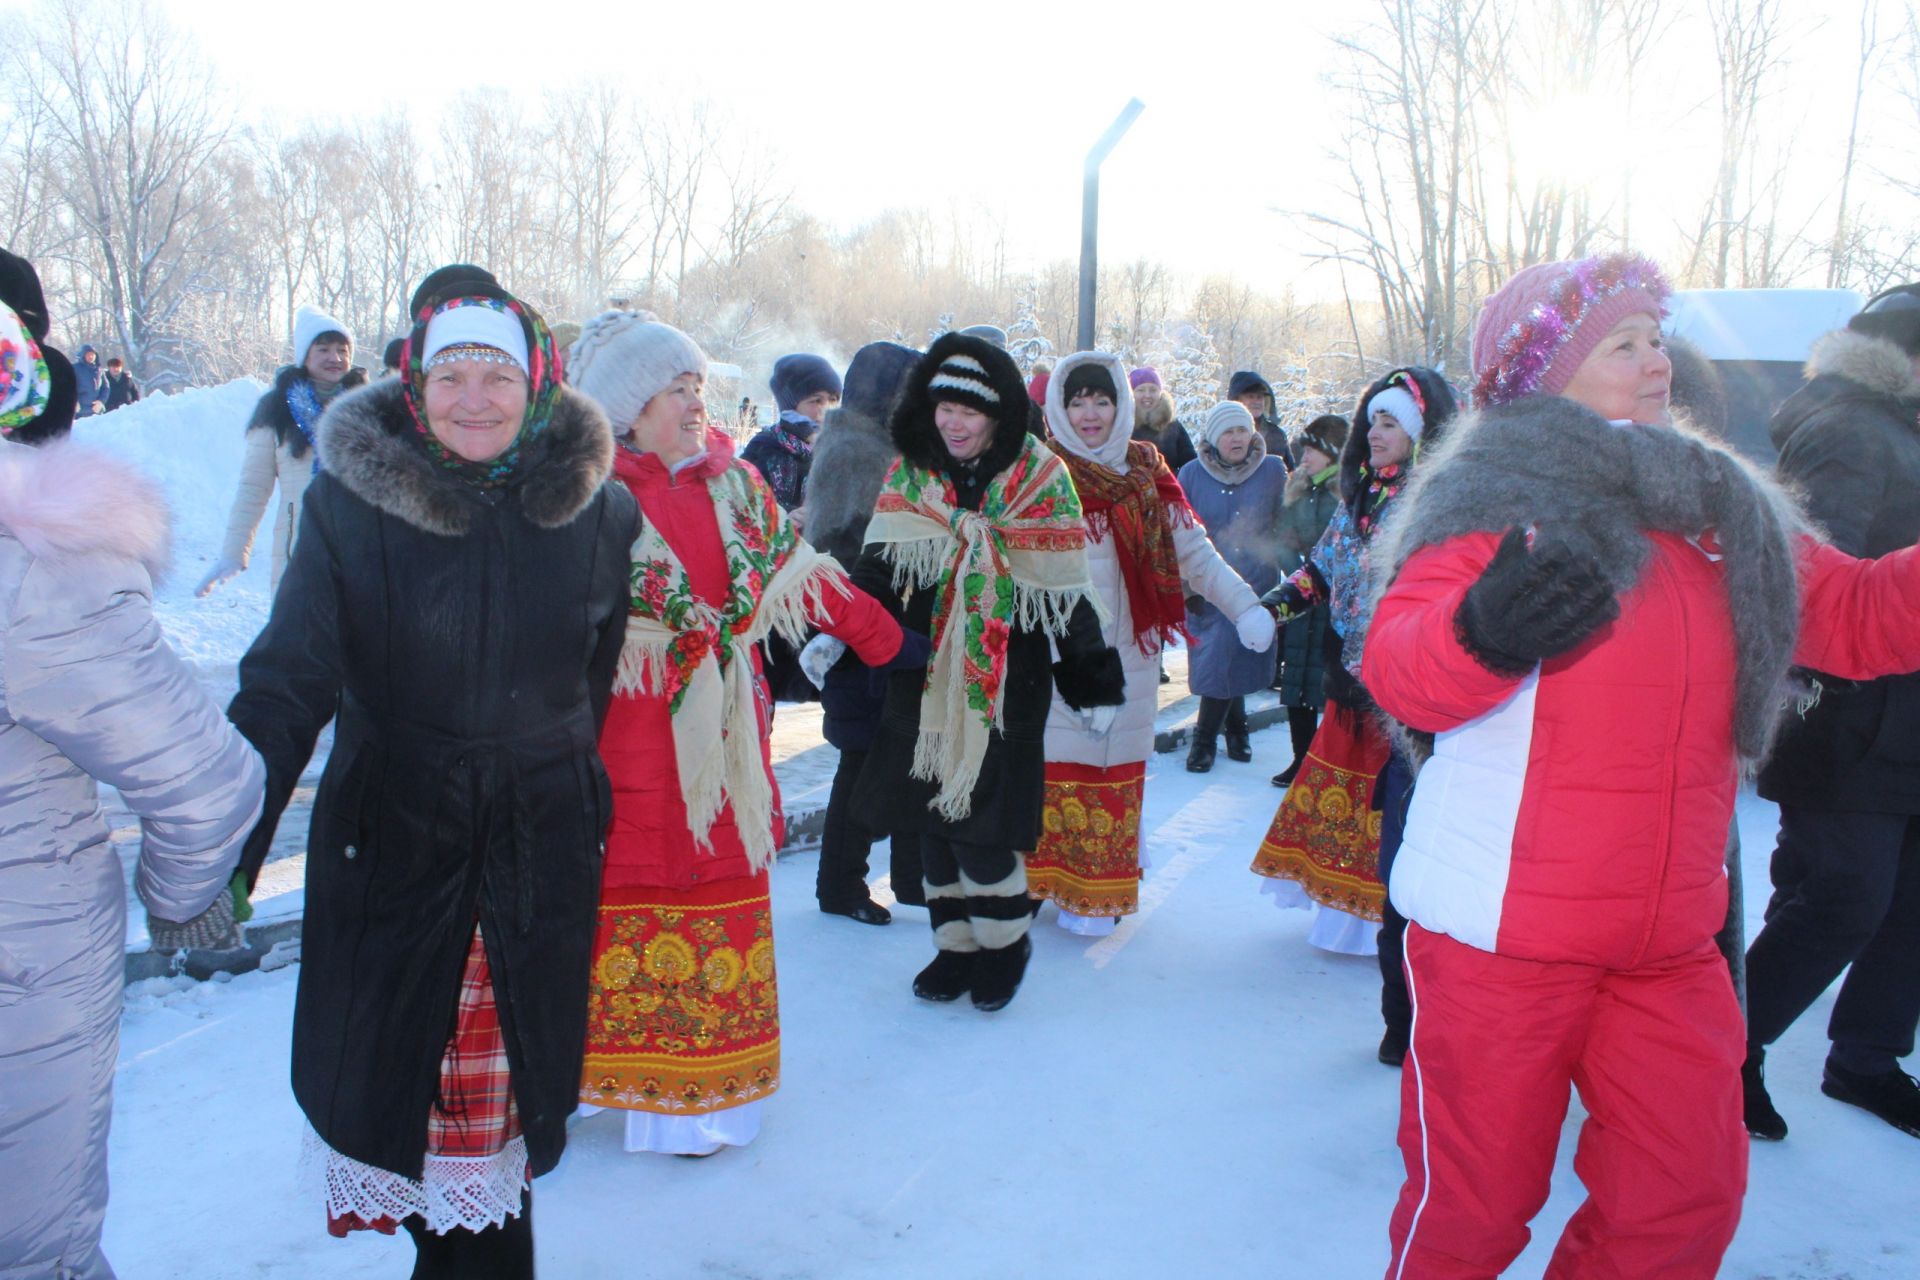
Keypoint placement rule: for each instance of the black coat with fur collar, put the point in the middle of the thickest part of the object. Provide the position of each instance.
(465, 644)
(1008, 799)
(1850, 441)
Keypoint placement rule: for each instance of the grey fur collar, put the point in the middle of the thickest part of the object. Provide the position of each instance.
(1214, 465)
(1874, 363)
(850, 459)
(368, 442)
(1547, 461)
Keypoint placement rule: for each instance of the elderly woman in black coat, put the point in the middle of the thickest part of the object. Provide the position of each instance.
(457, 599)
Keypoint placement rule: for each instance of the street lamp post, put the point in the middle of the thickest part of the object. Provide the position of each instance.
(1090, 216)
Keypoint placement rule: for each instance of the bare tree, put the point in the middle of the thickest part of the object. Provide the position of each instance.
(1840, 254)
(135, 133)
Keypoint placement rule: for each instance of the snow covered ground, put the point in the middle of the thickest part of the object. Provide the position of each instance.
(1193, 1096)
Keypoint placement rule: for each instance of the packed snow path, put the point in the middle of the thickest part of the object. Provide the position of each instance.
(1193, 1096)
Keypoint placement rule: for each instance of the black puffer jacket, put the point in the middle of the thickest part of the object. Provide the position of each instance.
(466, 641)
(1850, 439)
(1007, 800)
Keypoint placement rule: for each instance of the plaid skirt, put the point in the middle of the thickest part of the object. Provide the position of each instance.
(476, 1166)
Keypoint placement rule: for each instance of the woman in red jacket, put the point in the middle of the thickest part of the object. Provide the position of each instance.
(1588, 630)
(683, 1027)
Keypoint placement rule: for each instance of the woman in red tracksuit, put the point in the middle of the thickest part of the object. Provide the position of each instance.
(683, 1016)
(1589, 626)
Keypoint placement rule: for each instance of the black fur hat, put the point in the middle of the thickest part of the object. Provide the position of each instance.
(457, 280)
(1438, 406)
(963, 370)
(20, 289)
(1892, 315)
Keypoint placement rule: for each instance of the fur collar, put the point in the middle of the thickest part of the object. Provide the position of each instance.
(850, 459)
(1874, 363)
(368, 442)
(1155, 420)
(63, 499)
(1547, 461)
(270, 412)
(1239, 473)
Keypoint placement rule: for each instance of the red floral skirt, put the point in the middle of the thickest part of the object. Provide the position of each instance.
(1088, 859)
(1326, 835)
(683, 1015)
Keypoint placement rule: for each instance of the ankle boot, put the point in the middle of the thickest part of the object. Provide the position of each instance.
(1756, 1105)
(1200, 755)
(947, 978)
(1239, 746)
(997, 974)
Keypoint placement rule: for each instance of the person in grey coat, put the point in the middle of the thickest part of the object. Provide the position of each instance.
(1238, 492)
(91, 693)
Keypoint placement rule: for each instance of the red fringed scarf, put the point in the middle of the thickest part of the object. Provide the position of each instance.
(1139, 511)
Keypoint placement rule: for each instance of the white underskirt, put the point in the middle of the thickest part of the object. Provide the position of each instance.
(700, 1135)
(474, 1192)
(1087, 926)
(1333, 930)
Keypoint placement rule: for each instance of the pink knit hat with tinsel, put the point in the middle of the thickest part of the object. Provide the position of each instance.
(1534, 333)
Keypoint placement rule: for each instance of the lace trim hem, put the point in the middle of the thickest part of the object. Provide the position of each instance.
(474, 1192)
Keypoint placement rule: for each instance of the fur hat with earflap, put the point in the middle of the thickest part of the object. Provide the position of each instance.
(623, 359)
(961, 369)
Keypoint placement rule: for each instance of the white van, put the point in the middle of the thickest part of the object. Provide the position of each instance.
(1758, 339)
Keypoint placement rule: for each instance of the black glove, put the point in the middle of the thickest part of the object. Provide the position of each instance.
(1285, 602)
(212, 930)
(1530, 605)
(915, 652)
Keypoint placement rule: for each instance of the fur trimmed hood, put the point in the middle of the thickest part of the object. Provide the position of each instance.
(270, 412)
(1552, 464)
(1844, 367)
(912, 423)
(65, 499)
(369, 443)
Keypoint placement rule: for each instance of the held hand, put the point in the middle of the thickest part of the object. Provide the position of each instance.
(223, 569)
(818, 657)
(1099, 719)
(1256, 629)
(212, 930)
(1284, 603)
(1534, 603)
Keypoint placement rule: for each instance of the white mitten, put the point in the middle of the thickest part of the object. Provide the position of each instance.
(1099, 719)
(818, 657)
(223, 569)
(1256, 629)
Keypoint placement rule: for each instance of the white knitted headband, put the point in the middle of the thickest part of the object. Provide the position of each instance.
(1400, 406)
(476, 326)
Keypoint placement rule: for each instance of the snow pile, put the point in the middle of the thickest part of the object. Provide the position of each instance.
(192, 443)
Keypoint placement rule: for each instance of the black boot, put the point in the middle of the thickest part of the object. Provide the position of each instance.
(504, 1252)
(1239, 743)
(1200, 755)
(1893, 1095)
(1284, 778)
(868, 912)
(997, 974)
(947, 978)
(1393, 1047)
(1761, 1119)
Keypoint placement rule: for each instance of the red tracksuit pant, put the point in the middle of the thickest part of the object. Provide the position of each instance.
(1497, 1041)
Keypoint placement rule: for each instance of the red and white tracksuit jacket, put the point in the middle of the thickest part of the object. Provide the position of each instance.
(1563, 870)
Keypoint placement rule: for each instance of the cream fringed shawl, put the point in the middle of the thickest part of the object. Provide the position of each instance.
(700, 658)
(1019, 561)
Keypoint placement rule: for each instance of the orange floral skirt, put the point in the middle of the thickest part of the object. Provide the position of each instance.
(1326, 834)
(683, 1016)
(1088, 860)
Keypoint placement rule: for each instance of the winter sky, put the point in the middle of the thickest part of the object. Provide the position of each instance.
(988, 109)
